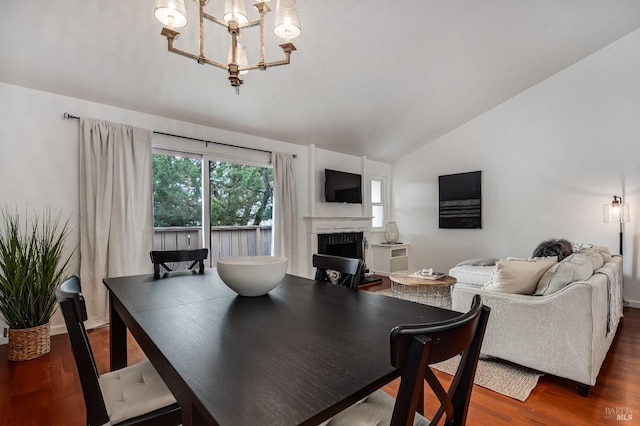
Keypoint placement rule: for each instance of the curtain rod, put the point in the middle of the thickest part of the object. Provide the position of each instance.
(73, 117)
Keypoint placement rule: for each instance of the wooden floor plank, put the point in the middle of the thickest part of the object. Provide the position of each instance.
(46, 391)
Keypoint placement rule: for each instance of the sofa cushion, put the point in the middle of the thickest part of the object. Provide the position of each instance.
(474, 275)
(577, 267)
(519, 276)
(481, 261)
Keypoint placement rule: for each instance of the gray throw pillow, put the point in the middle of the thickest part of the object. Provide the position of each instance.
(576, 267)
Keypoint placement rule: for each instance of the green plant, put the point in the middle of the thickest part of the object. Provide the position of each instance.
(31, 266)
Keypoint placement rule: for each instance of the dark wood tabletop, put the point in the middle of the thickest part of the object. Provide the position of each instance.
(298, 355)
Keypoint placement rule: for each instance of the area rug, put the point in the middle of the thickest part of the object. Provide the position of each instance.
(499, 376)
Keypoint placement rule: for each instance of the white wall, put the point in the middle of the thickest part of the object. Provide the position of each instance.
(550, 158)
(39, 154)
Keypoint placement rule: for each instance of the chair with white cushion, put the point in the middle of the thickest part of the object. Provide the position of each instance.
(134, 395)
(413, 349)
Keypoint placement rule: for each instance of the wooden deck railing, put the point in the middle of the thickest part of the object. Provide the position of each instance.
(225, 240)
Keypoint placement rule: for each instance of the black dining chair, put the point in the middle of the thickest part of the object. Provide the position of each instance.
(134, 395)
(162, 257)
(413, 348)
(339, 270)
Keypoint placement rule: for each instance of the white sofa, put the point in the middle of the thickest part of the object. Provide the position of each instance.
(566, 333)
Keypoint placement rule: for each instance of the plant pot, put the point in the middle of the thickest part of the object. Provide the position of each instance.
(29, 343)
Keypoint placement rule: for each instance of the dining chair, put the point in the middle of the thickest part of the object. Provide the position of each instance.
(162, 257)
(134, 395)
(339, 270)
(413, 349)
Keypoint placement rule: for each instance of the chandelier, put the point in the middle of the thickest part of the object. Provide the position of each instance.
(172, 14)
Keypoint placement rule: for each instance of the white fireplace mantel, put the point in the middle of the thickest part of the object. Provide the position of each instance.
(333, 224)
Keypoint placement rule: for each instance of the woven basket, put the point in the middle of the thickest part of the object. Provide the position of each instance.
(29, 343)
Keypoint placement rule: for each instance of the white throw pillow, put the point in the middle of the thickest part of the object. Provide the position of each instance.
(577, 267)
(519, 276)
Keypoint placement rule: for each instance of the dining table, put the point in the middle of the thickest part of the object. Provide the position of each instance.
(297, 355)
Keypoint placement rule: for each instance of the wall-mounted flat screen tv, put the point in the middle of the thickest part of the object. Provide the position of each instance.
(342, 187)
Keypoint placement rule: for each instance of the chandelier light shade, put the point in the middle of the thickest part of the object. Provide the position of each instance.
(241, 59)
(172, 14)
(287, 20)
(616, 212)
(235, 10)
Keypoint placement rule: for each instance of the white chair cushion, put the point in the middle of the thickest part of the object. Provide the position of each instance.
(133, 391)
(376, 409)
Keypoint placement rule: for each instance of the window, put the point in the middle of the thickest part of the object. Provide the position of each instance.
(238, 219)
(177, 183)
(378, 196)
(241, 195)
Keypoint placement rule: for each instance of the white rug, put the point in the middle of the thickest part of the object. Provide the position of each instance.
(499, 376)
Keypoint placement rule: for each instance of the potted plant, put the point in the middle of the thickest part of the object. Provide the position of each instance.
(32, 263)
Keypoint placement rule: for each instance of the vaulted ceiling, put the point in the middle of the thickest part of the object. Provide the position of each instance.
(378, 78)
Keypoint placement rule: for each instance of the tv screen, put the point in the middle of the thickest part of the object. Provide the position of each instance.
(342, 187)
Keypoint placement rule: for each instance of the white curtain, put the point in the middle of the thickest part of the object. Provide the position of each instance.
(116, 208)
(285, 228)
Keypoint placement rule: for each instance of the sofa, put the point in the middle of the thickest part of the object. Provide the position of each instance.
(564, 326)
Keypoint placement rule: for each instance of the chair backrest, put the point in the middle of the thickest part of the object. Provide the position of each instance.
(74, 311)
(348, 269)
(162, 257)
(415, 347)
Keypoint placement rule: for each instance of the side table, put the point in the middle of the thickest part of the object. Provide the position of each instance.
(422, 290)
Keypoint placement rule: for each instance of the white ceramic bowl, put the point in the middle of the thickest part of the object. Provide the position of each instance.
(252, 275)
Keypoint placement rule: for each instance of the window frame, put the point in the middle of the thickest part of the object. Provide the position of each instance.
(383, 200)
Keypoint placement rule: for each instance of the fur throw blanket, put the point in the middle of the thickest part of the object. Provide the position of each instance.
(554, 247)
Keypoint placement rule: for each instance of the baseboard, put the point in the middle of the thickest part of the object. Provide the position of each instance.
(632, 303)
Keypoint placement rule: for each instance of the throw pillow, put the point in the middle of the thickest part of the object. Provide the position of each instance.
(519, 276)
(482, 261)
(594, 256)
(604, 252)
(576, 267)
(555, 247)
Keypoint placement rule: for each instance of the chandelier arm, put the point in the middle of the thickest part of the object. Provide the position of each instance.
(250, 24)
(266, 65)
(200, 59)
(201, 21)
(262, 37)
(214, 19)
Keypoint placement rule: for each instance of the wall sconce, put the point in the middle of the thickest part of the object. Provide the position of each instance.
(616, 212)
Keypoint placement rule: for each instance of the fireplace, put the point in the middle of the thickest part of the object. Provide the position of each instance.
(345, 244)
(337, 235)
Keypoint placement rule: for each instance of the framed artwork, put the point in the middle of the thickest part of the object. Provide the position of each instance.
(460, 201)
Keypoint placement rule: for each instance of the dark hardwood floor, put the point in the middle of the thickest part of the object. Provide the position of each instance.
(46, 391)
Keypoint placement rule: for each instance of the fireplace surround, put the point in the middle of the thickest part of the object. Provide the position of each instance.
(343, 236)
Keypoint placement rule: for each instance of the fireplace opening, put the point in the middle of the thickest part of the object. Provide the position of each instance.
(345, 244)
